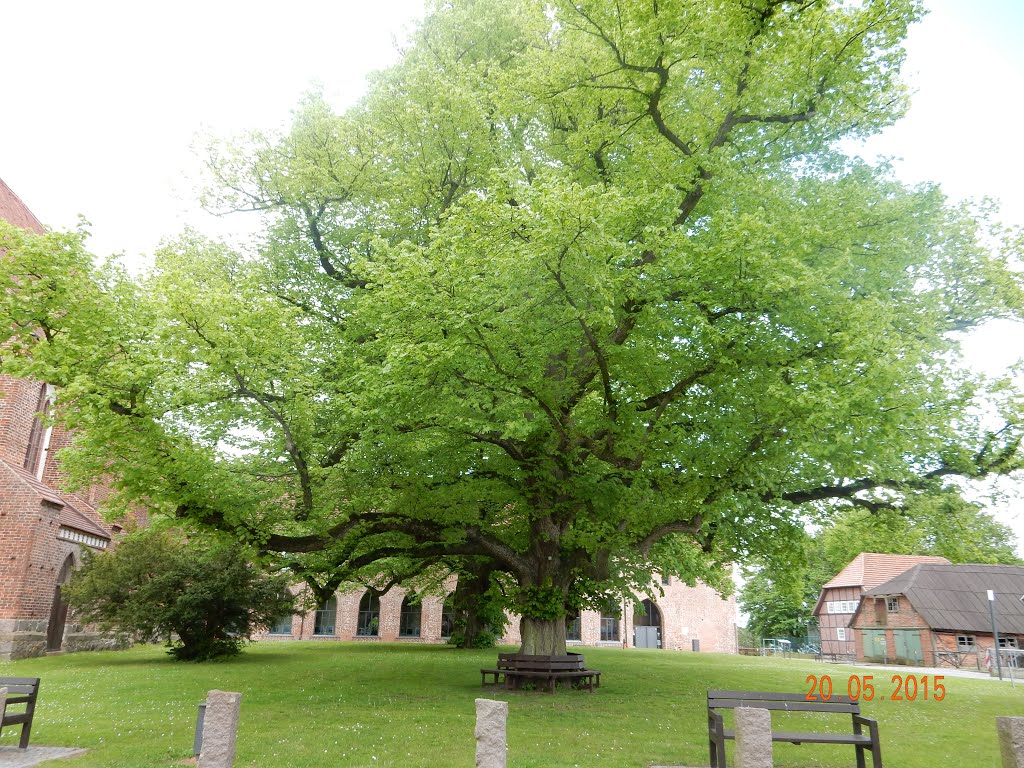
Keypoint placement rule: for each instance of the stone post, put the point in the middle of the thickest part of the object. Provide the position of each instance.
(1011, 741)
(491, 748)
(220, 727)
(753, 737)
(3, 701)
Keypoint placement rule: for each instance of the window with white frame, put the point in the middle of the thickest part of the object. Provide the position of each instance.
(841, 606)
(892, 604)
(964, 642)
(841, 633)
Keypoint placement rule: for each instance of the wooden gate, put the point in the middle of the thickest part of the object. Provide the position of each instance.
(908, 646)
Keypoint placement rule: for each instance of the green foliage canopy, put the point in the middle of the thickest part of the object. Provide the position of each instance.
(579, 288)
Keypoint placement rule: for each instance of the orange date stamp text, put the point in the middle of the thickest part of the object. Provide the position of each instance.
(862, 688)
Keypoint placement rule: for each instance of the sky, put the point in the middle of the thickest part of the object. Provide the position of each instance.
(104, 102)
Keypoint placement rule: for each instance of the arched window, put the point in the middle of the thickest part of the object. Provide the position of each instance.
(323, 623)
(447, 618)
(39, 437)
(646, 614)
(572, 626)
(369, 616)
(609, 627)
(409, 621)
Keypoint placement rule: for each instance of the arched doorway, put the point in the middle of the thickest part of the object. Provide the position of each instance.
(647, 625)
(59, 608)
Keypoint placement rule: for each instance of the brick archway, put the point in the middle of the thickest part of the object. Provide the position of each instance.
(648, 630)
(59, 608)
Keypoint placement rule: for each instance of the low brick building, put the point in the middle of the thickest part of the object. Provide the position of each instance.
(680, 617)
(934, 615)
(840, 597)
(42, 530)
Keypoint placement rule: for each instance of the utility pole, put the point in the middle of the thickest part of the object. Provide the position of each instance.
(995, 632)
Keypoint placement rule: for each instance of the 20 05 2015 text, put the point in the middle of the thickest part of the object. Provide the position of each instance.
(862, 687)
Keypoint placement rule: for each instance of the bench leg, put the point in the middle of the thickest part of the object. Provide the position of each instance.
(26, 729)
(716, 746)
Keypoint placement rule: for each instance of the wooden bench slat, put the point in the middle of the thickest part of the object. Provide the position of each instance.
(797, 737)
(789, 706)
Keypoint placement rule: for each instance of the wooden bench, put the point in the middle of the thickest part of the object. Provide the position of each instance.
(20, 691)
(792, 702)
(513, 668)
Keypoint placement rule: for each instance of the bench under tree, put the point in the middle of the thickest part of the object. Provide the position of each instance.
(513, 669)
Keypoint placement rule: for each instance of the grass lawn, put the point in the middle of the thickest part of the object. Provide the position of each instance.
(310, 704)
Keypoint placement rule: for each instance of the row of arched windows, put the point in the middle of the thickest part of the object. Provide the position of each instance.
(410, 620)
(368, 620)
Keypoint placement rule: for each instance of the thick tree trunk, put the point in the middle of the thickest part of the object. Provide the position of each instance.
(478, 621)
(542, 637)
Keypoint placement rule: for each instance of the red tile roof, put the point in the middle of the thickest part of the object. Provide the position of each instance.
(14, 211)
(70, 515)
(869, 569)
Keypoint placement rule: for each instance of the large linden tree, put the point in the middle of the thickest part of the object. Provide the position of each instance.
(580, 292)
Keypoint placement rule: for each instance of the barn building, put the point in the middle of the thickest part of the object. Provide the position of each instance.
(940, 615)
(841, 596)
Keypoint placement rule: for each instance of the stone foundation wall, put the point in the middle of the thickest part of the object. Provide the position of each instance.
(26, 638)
(22, 638)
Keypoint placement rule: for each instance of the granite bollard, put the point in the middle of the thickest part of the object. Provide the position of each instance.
(1011, 741)
(3, 701)
(491, 745)
(753, 737)
(220, 728)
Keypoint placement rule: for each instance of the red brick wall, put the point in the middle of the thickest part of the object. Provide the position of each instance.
(874, 615)
(18, 401)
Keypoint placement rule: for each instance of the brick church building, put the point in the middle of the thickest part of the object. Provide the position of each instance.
(43, 531)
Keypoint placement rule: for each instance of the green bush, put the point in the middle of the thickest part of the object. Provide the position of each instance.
(203, 598)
